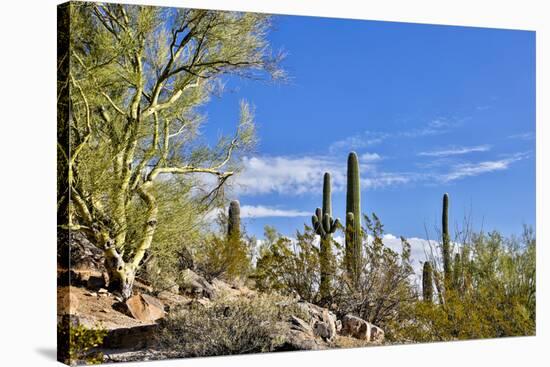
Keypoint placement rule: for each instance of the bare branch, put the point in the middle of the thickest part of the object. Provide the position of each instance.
(113, 104)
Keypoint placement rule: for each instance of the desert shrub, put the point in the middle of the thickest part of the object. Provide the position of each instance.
(229, 258)
(385, 282)
(76, 342)
(492, 294)
(227, 326)
(289, 267)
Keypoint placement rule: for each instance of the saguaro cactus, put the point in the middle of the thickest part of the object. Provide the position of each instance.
(427, 282)
(457, 272)
(324, 226)
(353, 219)
(234, 220)
(446, 240)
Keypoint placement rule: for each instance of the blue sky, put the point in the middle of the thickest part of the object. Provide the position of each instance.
(429, 109)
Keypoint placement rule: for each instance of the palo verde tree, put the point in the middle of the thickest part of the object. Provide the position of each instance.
(136, 78)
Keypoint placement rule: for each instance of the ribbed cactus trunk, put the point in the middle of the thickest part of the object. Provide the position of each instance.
(457, 272)
(234, 220)
(446, 239)
(427, 282)
(324, 226)
(353, 220)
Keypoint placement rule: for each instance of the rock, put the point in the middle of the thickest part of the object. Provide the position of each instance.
(323, 321)
(172, 300)
(136, 337)
(144, 308)
(77, 252)
(323, 330)
(298, 340)
(376, 334)
(196, 285)
(68, 303)
(91, 294)
(298, 324)
(102, 291)
(356, 327)
(338, 326)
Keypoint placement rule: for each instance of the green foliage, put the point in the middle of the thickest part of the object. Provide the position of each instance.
(139, 78)
(229, 253)
(76, 342)
(353, 221)
(383, 287)
(324, 226)
(494, 294)
(229, 258)
(228, 326)
(180, 229)
(289, 267)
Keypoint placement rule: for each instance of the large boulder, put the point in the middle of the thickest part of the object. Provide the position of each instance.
(144, 308)
(356, 327)
(300, 336)
(323, 322)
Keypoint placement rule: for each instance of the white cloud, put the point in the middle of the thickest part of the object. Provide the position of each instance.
(370, 157)
(474, 169)
(301, 175)
(455, 151)
(288, 175)
(260, 211)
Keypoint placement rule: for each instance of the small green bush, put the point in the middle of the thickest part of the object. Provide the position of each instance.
(228, 326)
(76, 342)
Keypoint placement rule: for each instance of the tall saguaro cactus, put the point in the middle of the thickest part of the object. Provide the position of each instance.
(324, 226)
(234, 220)
(427, 282)
(446, 245)
(353, 219)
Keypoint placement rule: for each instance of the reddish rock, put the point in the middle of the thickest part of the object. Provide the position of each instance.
(145, 308)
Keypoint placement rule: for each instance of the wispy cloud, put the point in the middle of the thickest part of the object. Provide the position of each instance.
(474, 169)
(455, 151)
(523, 136)
(369, 138)
(260, 211)
(382, 180)
(363, 140)
(435, 127)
